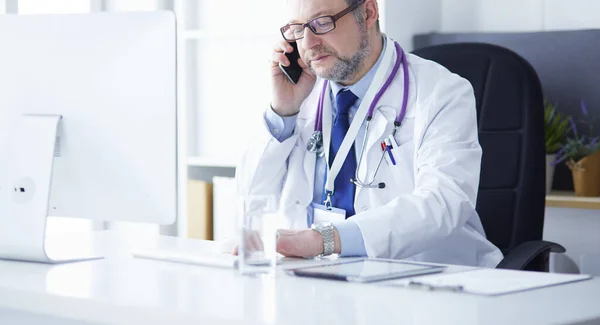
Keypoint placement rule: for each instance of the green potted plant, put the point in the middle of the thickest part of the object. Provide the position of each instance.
(582, 155)
(556, 129)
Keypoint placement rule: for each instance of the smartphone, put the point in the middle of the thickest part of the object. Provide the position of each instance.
(293, 71)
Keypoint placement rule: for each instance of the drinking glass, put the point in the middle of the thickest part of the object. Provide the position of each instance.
(258, 234)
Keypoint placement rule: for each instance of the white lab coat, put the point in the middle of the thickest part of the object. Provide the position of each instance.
(426, 212)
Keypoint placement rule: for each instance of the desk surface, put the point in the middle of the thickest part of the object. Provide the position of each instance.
(125, 290)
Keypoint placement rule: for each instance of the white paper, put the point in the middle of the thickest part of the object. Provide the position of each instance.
(493, 281)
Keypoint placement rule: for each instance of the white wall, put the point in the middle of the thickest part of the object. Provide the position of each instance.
(572, 14)
(478, 15)
(518, 15)
(401, 19)
(459, 15)
(511, 15)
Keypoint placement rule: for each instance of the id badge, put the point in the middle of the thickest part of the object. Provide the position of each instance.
(321, 214)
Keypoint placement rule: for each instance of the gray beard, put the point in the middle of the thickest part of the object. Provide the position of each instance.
(346, 67)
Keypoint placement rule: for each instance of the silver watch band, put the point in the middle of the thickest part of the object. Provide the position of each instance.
(326, 231)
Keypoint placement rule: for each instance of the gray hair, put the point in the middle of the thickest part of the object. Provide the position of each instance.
(358, 14)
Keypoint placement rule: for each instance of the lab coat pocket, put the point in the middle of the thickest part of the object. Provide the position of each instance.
(402, 172)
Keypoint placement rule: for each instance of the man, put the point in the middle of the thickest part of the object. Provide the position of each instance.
(404, 194)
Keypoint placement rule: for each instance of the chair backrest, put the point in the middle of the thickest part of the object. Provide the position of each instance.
(510, 113)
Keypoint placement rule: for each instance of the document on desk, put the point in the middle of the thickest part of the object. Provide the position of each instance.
(488, 282)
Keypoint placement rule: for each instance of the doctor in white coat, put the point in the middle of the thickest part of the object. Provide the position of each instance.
(373, 152)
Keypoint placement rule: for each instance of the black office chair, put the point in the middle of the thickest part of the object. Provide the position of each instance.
(510, 112)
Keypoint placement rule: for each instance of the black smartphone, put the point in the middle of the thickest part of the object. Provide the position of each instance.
(293, 71)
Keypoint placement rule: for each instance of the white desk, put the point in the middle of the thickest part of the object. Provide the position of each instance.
(125, 290)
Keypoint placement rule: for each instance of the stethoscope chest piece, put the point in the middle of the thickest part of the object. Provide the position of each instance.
(315, 144)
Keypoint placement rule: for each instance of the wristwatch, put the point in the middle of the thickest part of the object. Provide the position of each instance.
(326, 230)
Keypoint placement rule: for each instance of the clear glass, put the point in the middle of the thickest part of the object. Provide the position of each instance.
(258, 232)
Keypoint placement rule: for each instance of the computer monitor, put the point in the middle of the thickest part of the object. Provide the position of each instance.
(103, 84)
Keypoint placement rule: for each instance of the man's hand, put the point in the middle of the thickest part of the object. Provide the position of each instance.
(303, 243)
(297, 243)
(286, 97)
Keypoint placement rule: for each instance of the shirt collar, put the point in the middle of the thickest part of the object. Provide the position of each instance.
(360, 88)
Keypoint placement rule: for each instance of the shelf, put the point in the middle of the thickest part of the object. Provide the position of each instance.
(563, 199)
(221, 162)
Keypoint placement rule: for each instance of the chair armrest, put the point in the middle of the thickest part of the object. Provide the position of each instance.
(522, 255)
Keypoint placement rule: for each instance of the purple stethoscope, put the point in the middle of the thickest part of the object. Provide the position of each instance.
(315, 143)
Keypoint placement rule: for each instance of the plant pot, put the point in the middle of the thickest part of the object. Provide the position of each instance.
(586, 175)
(550, 158)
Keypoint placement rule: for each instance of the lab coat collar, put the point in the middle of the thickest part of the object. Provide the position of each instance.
(385, 114)
(387, 109)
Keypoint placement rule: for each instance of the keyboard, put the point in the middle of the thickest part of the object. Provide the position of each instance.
(222, 260)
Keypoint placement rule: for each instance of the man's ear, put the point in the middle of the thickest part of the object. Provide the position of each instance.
(372, 13)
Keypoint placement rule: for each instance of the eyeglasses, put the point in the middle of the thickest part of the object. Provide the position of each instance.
(319, 26)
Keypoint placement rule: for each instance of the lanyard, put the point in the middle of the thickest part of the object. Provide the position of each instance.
(324, 115)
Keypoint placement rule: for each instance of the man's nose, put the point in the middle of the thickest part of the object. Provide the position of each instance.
(310, 40)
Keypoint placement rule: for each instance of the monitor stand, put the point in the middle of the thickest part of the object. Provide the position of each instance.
(25, 198)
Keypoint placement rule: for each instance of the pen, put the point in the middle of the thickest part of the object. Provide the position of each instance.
(389, 150)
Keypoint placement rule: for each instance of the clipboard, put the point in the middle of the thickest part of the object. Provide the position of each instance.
(489, 282)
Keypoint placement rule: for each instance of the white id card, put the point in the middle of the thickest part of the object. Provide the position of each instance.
(321, 214)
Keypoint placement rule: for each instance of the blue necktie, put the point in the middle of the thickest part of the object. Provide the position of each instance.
(343, 196)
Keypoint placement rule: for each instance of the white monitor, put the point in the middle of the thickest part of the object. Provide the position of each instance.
(105, 85)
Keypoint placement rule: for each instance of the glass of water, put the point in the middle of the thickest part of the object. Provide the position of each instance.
(258, 237)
